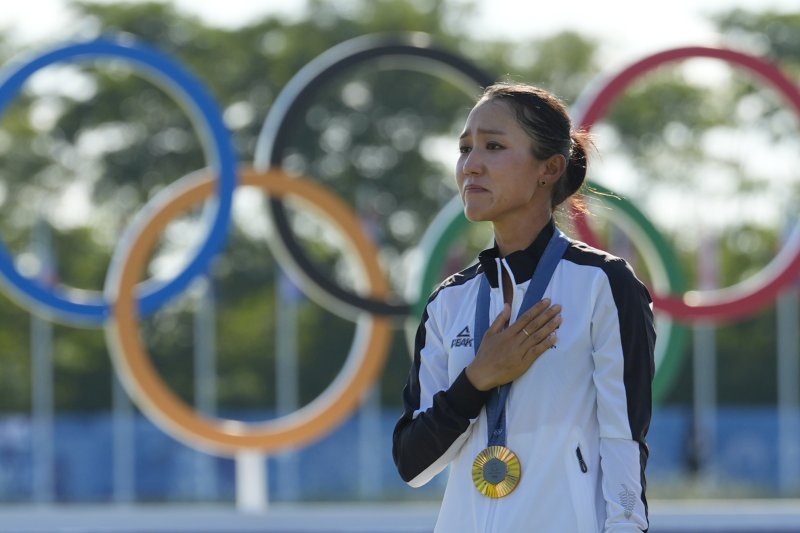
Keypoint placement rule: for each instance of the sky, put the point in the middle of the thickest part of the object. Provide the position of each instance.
(622, 27)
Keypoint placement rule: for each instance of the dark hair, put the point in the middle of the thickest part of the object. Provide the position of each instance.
(542, 115)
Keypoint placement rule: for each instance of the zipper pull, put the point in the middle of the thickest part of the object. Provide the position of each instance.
(581, 462)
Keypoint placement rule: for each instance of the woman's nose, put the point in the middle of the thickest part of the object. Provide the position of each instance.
(472, 163)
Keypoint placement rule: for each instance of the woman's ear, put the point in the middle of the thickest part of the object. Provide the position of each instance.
(554, 167)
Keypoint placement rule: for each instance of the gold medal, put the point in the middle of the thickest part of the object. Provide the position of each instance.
(496, 471)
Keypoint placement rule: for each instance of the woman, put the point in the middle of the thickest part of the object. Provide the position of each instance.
(542, 415)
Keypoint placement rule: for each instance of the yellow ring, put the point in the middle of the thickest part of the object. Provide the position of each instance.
(222, 436)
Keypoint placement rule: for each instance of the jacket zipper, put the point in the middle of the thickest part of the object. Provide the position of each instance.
(490, 525)
(581, 462)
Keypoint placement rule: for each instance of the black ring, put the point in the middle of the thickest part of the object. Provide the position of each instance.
(299, 92)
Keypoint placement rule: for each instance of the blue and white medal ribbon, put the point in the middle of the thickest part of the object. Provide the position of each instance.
(496, 470)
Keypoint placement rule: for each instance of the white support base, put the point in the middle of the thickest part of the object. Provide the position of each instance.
(251, 482)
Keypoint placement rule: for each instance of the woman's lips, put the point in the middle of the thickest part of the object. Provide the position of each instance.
(474, 189)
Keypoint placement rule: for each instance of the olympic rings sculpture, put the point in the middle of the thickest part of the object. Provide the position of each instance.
(125, 298)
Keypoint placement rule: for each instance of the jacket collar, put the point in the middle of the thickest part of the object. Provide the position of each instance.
(522, 262)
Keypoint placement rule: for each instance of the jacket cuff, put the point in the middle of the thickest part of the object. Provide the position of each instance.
(464, 398)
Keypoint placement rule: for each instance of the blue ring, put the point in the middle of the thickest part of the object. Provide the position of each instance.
(206, 117)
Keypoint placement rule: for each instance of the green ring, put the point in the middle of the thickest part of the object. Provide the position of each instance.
(668, 359)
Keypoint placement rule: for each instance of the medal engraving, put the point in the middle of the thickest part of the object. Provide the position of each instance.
(494, 471)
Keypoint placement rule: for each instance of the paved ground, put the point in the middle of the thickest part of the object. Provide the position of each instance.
(734, 516)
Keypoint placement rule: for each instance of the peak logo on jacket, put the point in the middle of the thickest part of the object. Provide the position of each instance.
(464, 338)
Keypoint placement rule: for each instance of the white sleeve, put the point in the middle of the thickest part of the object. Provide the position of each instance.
(623, 339)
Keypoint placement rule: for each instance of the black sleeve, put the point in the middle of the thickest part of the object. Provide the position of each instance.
(420, 441)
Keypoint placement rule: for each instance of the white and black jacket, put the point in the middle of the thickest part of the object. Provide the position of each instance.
(577, 419)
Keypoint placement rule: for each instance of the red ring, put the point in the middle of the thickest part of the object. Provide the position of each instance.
(723, 306)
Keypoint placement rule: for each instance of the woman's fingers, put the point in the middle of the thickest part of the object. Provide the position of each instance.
(534, 352)
(524, 319)
(543, 339)
(538, 330)
(537, 333)
(501, 320)
(537, 317)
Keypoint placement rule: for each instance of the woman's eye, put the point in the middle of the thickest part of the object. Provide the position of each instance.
(493, 146)
(464, 149)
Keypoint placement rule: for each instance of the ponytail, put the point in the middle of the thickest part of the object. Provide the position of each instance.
(575, 173)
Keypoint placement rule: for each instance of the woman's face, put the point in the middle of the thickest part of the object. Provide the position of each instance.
(497, 173)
